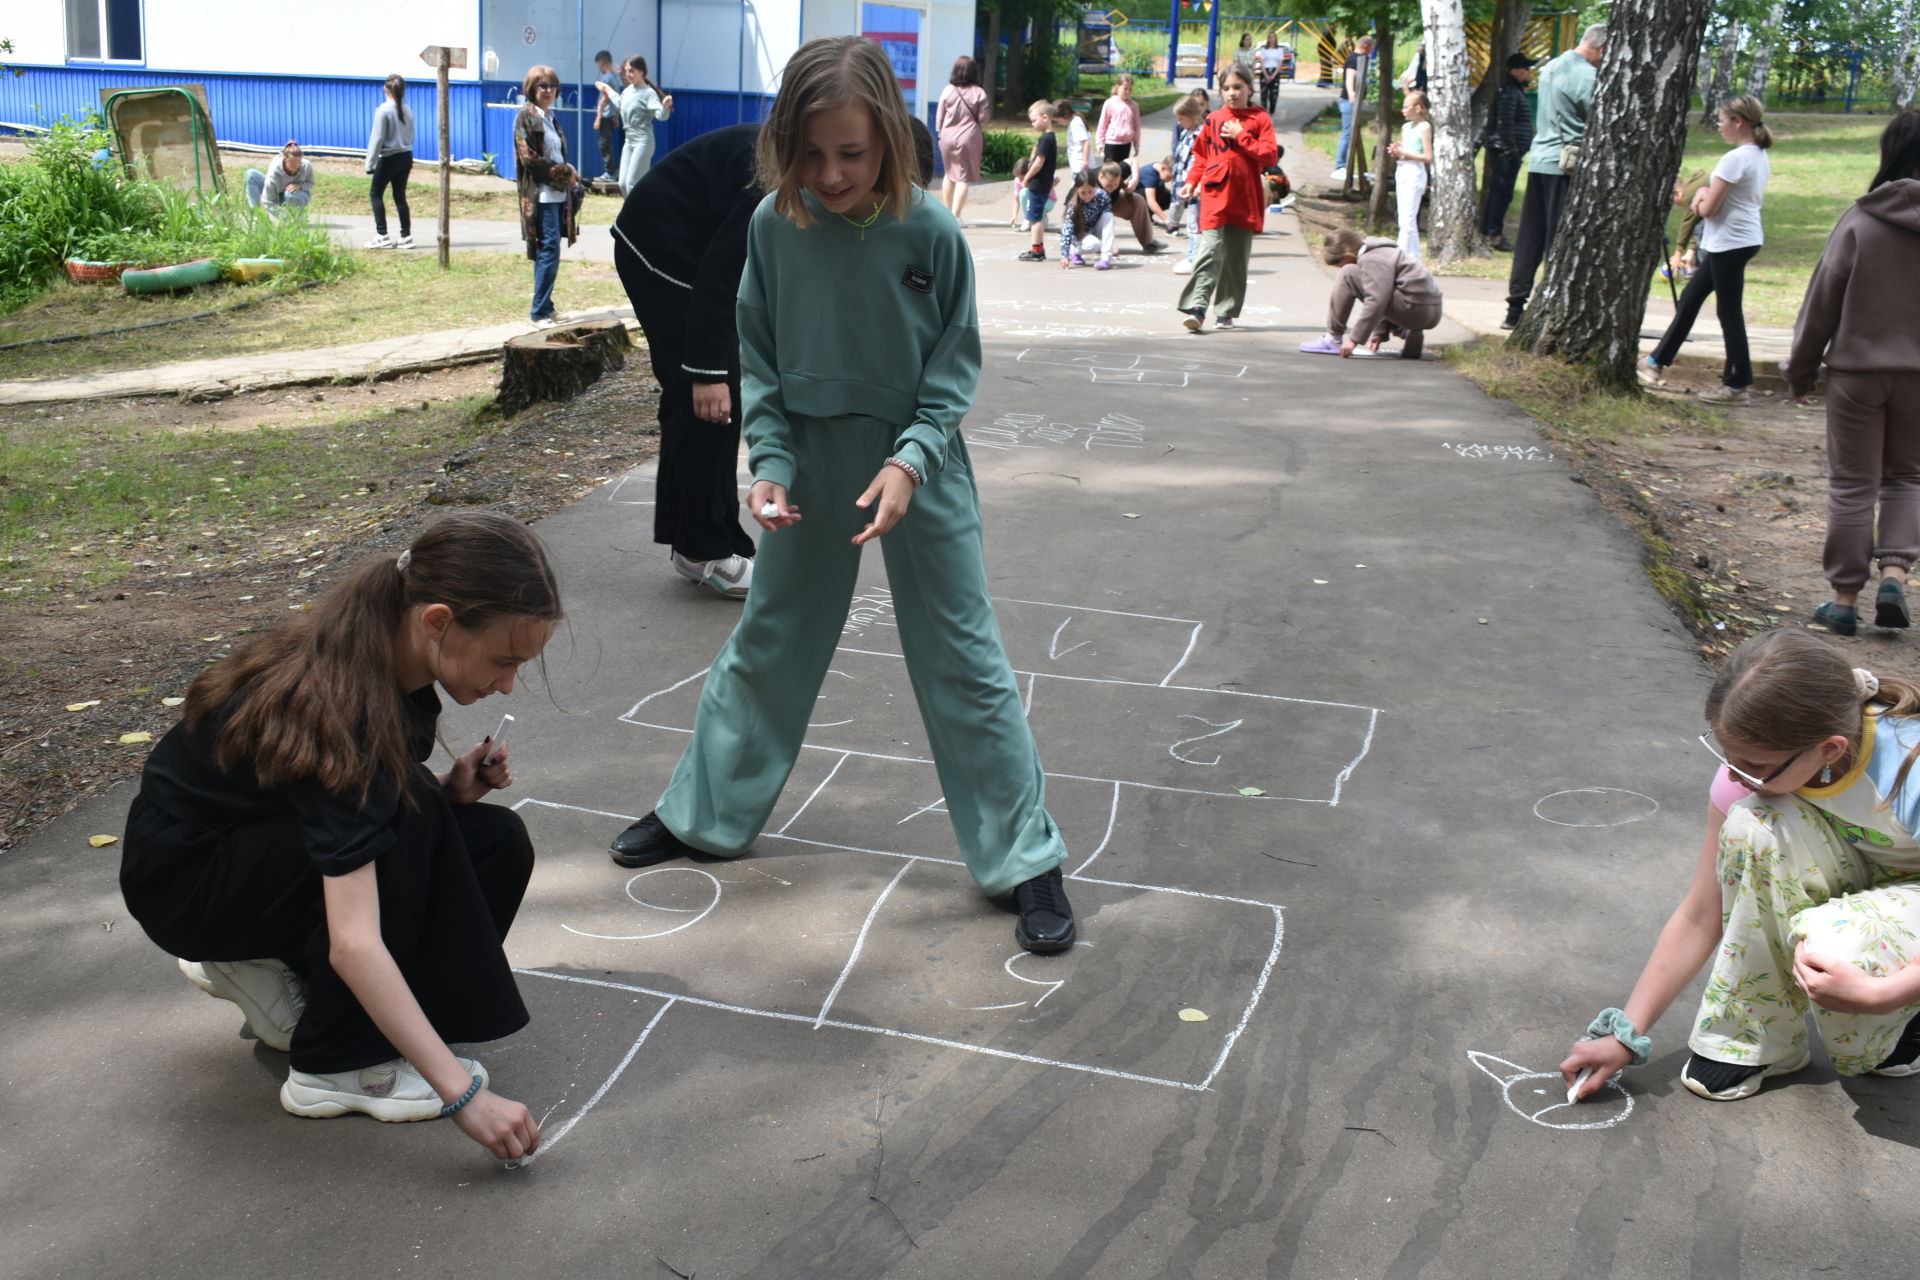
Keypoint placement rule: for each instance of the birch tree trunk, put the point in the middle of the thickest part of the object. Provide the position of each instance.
(1593, 297)
(1722, 87)
(1452, 232)
(1763, 51)
(1906, 58)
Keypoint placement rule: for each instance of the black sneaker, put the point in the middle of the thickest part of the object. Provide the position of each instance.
(1195, 319)
(647, 842)
(1905, 1058)
(1033, 255)
(1046, 917)
(1513, 317)
(1732, 1081)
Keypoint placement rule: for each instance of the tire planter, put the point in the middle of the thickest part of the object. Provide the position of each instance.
(247, 270)
(183, 275)
(80, 271)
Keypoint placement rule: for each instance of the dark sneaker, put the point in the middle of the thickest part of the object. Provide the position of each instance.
(1732, 1081)
(1195, 318)
(1840, 619)
(1890, 605)
(1902, 1061)
(1046, 917)
(647, 842)
(1513, 317)
(1033, 255)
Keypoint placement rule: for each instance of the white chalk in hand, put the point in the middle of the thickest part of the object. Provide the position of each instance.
(771, 511)
(499, 736)
(1573, 1090)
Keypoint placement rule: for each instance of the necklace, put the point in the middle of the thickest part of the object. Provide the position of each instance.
(865, 222)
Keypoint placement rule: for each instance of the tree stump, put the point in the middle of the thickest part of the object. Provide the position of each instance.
(558, 364)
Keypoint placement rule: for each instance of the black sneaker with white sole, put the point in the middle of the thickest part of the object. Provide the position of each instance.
(1045, 920)
(1905, 1058)
(1732, 1081)
(646, 843)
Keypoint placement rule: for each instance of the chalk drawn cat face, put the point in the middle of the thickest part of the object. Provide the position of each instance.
(1532, 1095)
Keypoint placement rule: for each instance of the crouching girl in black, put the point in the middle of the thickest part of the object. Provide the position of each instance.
(291, 848)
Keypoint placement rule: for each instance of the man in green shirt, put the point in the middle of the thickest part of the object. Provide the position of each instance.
(1560, 121)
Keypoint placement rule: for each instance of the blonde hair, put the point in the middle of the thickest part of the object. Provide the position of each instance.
(1417, 95)
(1339, 244)
(1189, 109)
(1750, 109)
(824, 75)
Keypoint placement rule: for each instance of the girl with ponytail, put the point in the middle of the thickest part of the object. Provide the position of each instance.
(1807, 888)
(289, 845)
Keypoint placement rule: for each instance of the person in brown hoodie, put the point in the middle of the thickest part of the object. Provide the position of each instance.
(1395, 294)
(1859, 316)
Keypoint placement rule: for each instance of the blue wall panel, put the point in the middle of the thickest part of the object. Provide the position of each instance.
(694, 113)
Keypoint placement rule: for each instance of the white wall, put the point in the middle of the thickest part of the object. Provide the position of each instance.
(724, 46)
(38, 29)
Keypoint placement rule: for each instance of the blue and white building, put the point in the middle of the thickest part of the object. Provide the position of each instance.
(275, 69)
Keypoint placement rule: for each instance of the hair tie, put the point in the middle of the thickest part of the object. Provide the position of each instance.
(1867, 682)
(405, 558)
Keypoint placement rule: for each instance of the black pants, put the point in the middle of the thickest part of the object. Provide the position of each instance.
(1117, 152)
(1269, 94)
(608, 131)
(696, 507)
(1503, 169)
(1539, 219)
(449, 891)
(1724, 275)
(392, 170)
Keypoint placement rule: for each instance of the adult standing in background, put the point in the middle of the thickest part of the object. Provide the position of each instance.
(1509, 134)
(1858, 317)
(640, 105)
(1559, 129)
(960, 121)
(546, 181)
(287, 181)
(390, 161)
(606, 113)
(1353, 92)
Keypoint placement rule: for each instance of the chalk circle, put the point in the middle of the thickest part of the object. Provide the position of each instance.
(1543, 1093)
(704, 897)
(1594, 807)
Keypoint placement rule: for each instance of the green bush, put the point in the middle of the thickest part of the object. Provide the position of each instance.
(58, 204)
(1005, 148)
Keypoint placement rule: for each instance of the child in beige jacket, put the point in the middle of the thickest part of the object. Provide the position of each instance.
(1395, 294)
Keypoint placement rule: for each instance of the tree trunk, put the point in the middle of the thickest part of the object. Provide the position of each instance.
(1906, 58)
(990, 63)
(1763, 51)
(1017, 96)
(558, 364)
(1383, 88)
(1722, 87)
(1593, 297)
(1503, 41)
(1453, 228)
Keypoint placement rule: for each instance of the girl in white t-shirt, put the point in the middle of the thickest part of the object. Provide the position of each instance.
(1807, 887)
(1730, 235)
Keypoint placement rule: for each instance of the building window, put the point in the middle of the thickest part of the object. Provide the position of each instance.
(104, 30)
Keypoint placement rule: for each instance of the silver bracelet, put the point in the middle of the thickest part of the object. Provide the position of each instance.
(913, 472)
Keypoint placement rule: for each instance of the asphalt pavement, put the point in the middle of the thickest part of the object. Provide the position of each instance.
(1375, 751)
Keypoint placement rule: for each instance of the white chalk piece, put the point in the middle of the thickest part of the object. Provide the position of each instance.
(1573, 1090)
(509, 1164)
(771, 511)
(499, 736)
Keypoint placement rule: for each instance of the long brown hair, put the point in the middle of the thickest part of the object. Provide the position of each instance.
(825, 74)
(1786, 690)
(1899, 149)
(1750, 109)
(397, 90)
(318, 697)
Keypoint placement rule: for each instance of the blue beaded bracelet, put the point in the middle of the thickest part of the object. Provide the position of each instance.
(465, 1098)
(1613, 1022)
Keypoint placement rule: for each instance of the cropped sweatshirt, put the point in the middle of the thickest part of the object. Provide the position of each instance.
(1859, 311)
(833, 323)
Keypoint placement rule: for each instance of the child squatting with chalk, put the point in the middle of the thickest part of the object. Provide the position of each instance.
(859, 356)
(1395, 294)
(1807, 887)
(290, 847)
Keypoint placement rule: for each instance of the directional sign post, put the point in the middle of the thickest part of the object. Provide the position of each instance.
(442, 57)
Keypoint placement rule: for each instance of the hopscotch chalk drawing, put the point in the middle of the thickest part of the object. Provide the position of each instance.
(1142, 370)
(1537, 1095)
(1010, 431)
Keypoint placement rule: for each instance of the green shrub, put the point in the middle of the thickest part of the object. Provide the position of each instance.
(1005, 148)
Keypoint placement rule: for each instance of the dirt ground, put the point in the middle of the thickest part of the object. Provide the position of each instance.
(145, 638)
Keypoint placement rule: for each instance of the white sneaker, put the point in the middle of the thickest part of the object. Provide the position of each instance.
(392, 1091)
(404, 242)
(380, 242)
(546, 322)
(271, 995)
(1338, 175)
(1723, 394)
(1183, 268)
(730, 577)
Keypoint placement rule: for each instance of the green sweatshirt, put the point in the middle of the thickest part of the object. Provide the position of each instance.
(834, 323)
(1566, 92)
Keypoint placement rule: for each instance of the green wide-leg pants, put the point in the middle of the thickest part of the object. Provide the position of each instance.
(760, 691)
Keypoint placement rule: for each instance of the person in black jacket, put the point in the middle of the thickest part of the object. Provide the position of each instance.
(1509, 134)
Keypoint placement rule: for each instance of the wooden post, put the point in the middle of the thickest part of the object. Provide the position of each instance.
(446, 157)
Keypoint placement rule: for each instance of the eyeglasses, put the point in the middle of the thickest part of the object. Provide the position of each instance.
(1757, 784)
(547, 84)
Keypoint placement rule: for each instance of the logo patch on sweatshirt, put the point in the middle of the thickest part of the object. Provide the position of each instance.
(917, 280)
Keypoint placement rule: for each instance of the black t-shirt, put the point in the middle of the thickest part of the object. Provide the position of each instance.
(188, 804)
(1040, 177)
(1356, 61)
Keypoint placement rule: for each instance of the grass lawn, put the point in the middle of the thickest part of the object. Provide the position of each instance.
(389, 295)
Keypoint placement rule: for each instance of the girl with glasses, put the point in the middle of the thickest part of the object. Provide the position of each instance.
(1806, 893)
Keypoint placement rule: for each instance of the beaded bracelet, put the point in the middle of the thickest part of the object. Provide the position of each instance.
(1612, 1022)
(465, 1098)
(913, 472)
